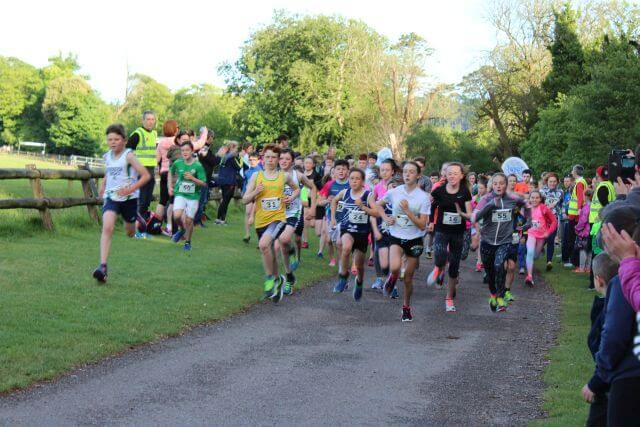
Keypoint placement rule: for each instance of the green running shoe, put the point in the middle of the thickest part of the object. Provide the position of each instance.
(502, 305)
(508, 296)
(493, 303)
(269, 285)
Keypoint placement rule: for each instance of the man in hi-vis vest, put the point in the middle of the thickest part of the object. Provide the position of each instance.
(143, 142)
(572, 258)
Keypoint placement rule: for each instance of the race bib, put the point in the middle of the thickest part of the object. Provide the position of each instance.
(501, 215)
(340, 207)
(535, 223)
(271, 204)
(187, 187)
(515, 238)
(113, 195)
(550, 201)
(449, 218)
(358, 217)
(403, 221)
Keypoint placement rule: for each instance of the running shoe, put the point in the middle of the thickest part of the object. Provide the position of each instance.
(177, 236)
(395, 294)
(478, 267)
(406, 314)
(305, 245)
(493, 303)
(433, 276)
(278, 289)
(140, 235)
(440, 281)
(388, 287)
(529, 281)
(568, 265)
(269, 286)
(521, 272)
(450, 307)
(288, 284)
(340, 285)
(357, 290)
(320, 255)
(187, 247)
(100, 273)
(502, 305)
(332, 263)
(549, 266)
(508, 296)
(378, 284)
(246, 239)
(294, 262)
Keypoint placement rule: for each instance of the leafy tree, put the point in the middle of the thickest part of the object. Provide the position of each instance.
(76, 116)
(144, 93)
(20, 85)
(566, 55)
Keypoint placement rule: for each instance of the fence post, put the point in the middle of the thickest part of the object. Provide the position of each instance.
(89, 193)
(38, 193)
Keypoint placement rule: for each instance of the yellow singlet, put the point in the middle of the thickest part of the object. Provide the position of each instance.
(269, 205)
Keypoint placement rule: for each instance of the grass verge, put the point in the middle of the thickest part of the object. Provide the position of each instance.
(571, 365)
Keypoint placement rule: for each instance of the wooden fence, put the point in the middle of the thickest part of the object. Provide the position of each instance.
(89, 178)
(42, 203)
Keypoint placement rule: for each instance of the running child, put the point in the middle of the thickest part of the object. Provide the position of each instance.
(328, 192)
(357, 206)
(124, 175)
(254, 166)
(495, 213)
(543, 223)
(407, 225)
(188, 174)
(266, 189)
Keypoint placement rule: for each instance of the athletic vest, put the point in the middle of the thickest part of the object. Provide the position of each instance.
(573, 201)
(269, 205)
(118, 174)
(293, 209)
(594, 210)
(354, 219)
(146, 149)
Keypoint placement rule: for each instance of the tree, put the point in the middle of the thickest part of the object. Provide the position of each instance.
(567, 58)
(144, 93)
(76, 116)
(20, 85)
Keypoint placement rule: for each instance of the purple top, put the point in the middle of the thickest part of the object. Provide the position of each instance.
(629, 273)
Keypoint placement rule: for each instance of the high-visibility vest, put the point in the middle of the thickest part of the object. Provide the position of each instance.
(146, 149)
(594, 210)
(573, 202)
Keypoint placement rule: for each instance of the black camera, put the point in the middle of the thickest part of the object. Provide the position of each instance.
(622, 164)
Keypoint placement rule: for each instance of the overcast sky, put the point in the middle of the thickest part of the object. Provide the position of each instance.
(180, 43)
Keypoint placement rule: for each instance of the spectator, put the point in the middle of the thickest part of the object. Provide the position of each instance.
(230, 166)
(570, 258)
(143, 142)
(524, 187)
(208, 161)
(169, 131)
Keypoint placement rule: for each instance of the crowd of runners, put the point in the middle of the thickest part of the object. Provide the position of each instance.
(390, 213)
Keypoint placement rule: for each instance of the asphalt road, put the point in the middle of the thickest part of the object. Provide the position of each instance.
(317, 359)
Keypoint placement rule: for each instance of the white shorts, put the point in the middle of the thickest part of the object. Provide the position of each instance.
(189, 206)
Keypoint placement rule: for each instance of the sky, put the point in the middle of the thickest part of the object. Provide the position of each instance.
(180, 43)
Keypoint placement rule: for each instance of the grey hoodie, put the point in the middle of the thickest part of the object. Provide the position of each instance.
(497, 219)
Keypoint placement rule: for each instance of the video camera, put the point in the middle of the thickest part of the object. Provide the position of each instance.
(622, 163)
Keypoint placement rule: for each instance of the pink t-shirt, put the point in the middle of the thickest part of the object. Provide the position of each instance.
(164, 144)
(543, 222)
(380, 190)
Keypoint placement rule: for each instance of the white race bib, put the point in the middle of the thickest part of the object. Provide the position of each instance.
(113, 195)
(449, 218)
(403, 221)
(358, 217)
(501, 215)
(187, 187)
(271, 204)
(340, 207)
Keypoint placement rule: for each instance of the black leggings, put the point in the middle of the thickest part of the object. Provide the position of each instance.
(448, 247)
(493, 259)
(227, 194)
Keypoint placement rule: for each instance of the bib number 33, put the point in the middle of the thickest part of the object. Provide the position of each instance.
(271, 204)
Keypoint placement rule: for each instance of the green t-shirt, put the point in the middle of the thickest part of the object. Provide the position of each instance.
(304, 194)
(185, 187)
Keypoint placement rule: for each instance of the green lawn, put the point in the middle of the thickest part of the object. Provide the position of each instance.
(55, 317)
(571, 363)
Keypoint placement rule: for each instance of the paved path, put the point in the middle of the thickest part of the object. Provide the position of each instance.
(318, 358)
